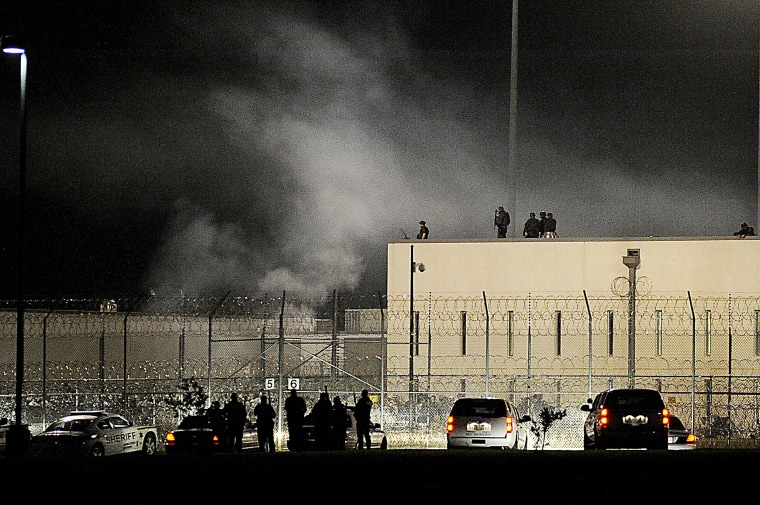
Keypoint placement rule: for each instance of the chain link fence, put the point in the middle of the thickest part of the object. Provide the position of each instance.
(130, 355)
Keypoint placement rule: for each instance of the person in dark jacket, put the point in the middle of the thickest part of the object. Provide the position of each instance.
(424, 232)
(362, 412)
(295, 408)
(745, 231)
(265, 415)
(501, 221)
(550, 226)
(532, 227)
(235, 416)
(339, 424)
(321, 416)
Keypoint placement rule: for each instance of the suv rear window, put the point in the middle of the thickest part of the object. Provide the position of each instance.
(629, 398)
(483, 407)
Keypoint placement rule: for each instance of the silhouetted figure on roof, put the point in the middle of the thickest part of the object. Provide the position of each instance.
(745, 231)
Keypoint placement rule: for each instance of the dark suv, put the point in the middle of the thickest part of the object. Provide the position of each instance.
(626, 418)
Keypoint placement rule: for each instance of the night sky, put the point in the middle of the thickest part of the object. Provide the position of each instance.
(197, 147)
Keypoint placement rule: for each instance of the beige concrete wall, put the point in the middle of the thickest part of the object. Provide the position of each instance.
(717, 265)
(532, 281)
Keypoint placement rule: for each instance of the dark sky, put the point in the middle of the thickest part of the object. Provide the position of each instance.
(268, 146)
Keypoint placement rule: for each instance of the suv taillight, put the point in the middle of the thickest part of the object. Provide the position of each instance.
(665, 417)
(450, 424)
(604, 418)
(510, 424)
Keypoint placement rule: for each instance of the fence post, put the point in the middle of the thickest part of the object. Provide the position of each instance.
(210, 316)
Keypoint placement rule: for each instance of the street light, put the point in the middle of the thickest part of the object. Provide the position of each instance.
(18, 435)
(632, 260)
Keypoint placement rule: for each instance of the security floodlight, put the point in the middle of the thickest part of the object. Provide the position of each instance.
(632, 259)
(13, 44)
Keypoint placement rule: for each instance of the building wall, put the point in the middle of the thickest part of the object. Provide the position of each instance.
(716, 265)
(696, 304)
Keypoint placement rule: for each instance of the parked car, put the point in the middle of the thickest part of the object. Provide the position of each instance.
(626, 418)
(679, 437)
(486, 423)
(94, 433)
(198, 434)
(377, 435)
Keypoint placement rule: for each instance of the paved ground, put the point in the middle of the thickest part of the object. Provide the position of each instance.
(394, 476)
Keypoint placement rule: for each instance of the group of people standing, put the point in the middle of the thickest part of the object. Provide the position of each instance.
(546, 227)
(330, 421)
(232, 418)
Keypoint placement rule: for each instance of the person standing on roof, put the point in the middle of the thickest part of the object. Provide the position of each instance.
(531, 228)
(424, 232)
(501, 221)
(550, 227)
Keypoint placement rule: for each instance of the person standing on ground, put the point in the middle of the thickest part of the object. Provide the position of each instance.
(530, 230)
(501, 221)
(550, 230)
(295, 408)
(321, 416)
(235, 416)
(362, 412)
(424, 232)
(265, 414)
(339, 424)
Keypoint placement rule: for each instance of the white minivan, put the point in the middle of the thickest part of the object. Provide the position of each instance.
(487, 423)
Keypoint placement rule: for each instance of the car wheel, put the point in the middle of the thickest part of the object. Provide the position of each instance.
(149, 445)
(97, 451)
(384, 443)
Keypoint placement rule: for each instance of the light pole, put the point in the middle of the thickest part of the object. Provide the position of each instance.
(412, 332)
(632, 260)
(18, 435)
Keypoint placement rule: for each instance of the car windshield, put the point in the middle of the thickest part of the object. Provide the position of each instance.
(71, 425)
(479, 407)
(629, 398)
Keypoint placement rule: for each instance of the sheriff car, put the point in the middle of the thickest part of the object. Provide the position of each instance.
(94, 433)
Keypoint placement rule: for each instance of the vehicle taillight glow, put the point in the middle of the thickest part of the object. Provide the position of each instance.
(604, 418)
(665, 417)
(510, 425)
(691, 438)
(450, 424)
(170, 438)
(215, 440)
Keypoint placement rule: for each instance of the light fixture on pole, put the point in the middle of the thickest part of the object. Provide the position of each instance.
(17, 440)
(632, 260)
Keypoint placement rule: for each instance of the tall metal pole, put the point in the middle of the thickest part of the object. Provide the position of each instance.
(590, 344)
(18, 437)
(512, 168)
(411, 322)
(632, 260)
(280, 367)
(632, 327)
